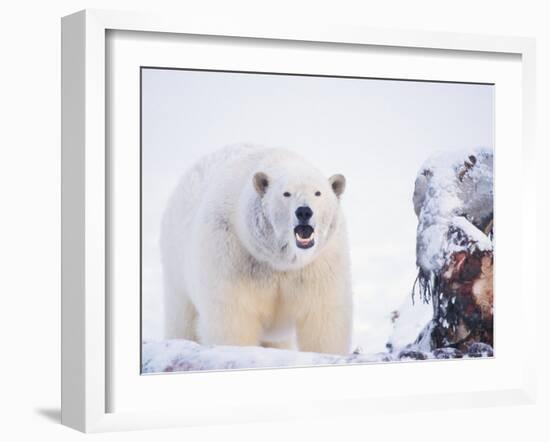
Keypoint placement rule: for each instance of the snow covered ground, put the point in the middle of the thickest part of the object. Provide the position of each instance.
(180, 355)
(377, 133)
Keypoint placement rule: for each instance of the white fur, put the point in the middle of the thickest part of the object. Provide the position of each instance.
(232, 271)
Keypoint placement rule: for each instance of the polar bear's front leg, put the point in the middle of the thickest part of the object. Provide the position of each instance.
(323, 303)
(229, 322)
(326, 329)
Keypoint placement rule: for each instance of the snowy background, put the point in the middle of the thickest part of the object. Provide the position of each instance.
(376, 132)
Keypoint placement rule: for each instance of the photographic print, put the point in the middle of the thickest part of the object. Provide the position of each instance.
(302, 220)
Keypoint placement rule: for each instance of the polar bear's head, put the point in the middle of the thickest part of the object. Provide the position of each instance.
(292, 213)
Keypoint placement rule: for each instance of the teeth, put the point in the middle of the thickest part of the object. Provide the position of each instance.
(304, 240)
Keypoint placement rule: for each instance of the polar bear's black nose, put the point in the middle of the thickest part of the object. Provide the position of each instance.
(304, 214)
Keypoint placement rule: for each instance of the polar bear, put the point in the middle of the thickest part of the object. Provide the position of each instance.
(255, 252)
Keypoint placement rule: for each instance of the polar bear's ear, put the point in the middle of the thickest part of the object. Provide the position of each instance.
(261, 182)
(338, 184)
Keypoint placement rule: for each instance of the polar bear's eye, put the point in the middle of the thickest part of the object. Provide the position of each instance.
(287, 194)
(317, 193)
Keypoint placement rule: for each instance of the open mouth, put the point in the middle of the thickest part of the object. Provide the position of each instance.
(304, 236)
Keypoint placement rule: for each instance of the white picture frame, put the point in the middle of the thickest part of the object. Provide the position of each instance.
(86, 316)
